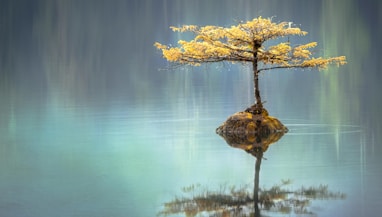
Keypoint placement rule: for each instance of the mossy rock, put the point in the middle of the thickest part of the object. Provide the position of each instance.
(250, 130)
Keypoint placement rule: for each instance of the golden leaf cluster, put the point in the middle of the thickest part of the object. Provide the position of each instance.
(245, 43)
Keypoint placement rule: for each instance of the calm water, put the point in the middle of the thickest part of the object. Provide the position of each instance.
(90, 127)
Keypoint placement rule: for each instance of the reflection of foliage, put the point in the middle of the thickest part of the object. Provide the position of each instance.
(279, 199)
(232, 201)
(221, 201)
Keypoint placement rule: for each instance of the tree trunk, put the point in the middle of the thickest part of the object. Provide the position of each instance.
(257, 90)
(256, 47)
(256, 187)
(259, 105)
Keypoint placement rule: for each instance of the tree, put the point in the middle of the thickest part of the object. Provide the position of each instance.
(245, 42)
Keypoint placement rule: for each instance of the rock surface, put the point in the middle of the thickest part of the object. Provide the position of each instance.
(252, 130)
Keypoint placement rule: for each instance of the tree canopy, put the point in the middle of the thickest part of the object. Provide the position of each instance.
(245, 43)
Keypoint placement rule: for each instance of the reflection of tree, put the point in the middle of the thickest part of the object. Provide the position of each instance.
(232, 201)
(252, 130)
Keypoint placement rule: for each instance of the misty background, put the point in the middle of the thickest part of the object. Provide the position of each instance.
(92, 123)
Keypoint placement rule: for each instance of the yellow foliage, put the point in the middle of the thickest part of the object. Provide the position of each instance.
(302, 52)
(322, 63)
(160, 46)
(245, 43)
(184, 28)
(278, 54)
(172, 54)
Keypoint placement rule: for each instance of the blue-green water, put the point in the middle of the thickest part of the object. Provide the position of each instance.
(90, 127)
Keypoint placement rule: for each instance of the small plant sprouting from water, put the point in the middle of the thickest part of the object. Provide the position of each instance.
(238, 201)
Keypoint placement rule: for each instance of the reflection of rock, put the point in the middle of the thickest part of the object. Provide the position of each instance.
(252, 130)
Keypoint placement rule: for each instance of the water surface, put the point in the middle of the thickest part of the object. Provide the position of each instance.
(90, 127)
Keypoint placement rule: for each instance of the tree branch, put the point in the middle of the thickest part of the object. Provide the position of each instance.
(284, 67)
